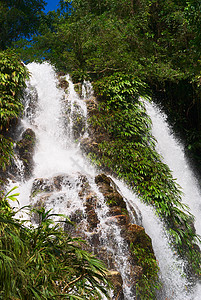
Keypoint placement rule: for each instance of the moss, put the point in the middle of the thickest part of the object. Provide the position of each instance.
(141, 248)
(78, 89)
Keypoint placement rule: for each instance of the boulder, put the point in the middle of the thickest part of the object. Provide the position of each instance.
(137, 235)
(41, 185)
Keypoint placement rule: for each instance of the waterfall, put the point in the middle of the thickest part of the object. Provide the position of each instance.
(173, 154)
(172, 151)
(61, 171)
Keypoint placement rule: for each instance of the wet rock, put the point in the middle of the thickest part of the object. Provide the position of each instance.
(92, 219)
(62, 180)
(58, 180)
(87, 226)
(79, 122)
(84, 187)
(90, 203)
(41, 185)
(140, 252)
(143, 254)
(25, 149)
(119, 219)
(107, 257)
(78, 88)
(94, 240)
(115, 211)
(135, 215)
(117, 282)
(88, 145)
(108, 188)
(77, 216)
(136, 235)
(63, 83)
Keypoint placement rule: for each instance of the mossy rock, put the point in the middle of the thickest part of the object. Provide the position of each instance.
(117, 282)
(136, 235)
(78, 88)
(79, 123)
(63, 83)
(108, 189)
(25, 148)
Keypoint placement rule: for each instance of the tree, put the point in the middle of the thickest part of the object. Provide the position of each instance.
(19, 18)
(156, 40)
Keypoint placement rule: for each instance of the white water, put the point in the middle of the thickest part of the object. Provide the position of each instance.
(57, 153)
(173, 155)
(175, 285)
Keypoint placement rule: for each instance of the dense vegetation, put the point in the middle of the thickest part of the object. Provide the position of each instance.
(19, 19)
(12, 80)
(44, 262)
(158, 41)
(121, 130)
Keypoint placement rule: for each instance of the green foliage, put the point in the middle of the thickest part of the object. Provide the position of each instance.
(120, 90)
(44, 262)
(127, 148)
(156, 41)
(148, 283)
(18, 19)
(6, 152)
(12, 81)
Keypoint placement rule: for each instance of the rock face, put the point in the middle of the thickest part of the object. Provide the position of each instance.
(96, 134)
(22, 163)
(99, 212)
(115, 278)
(62, 81)
(101, 218)
(25, 149)
(109, 191)
(79, 122)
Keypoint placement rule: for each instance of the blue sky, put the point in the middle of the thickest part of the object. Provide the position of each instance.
(51, 5)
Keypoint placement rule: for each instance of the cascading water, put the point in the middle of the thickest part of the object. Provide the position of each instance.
(61, 171)
(173, 155)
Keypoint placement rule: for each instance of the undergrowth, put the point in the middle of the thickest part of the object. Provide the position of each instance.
(43, 262)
